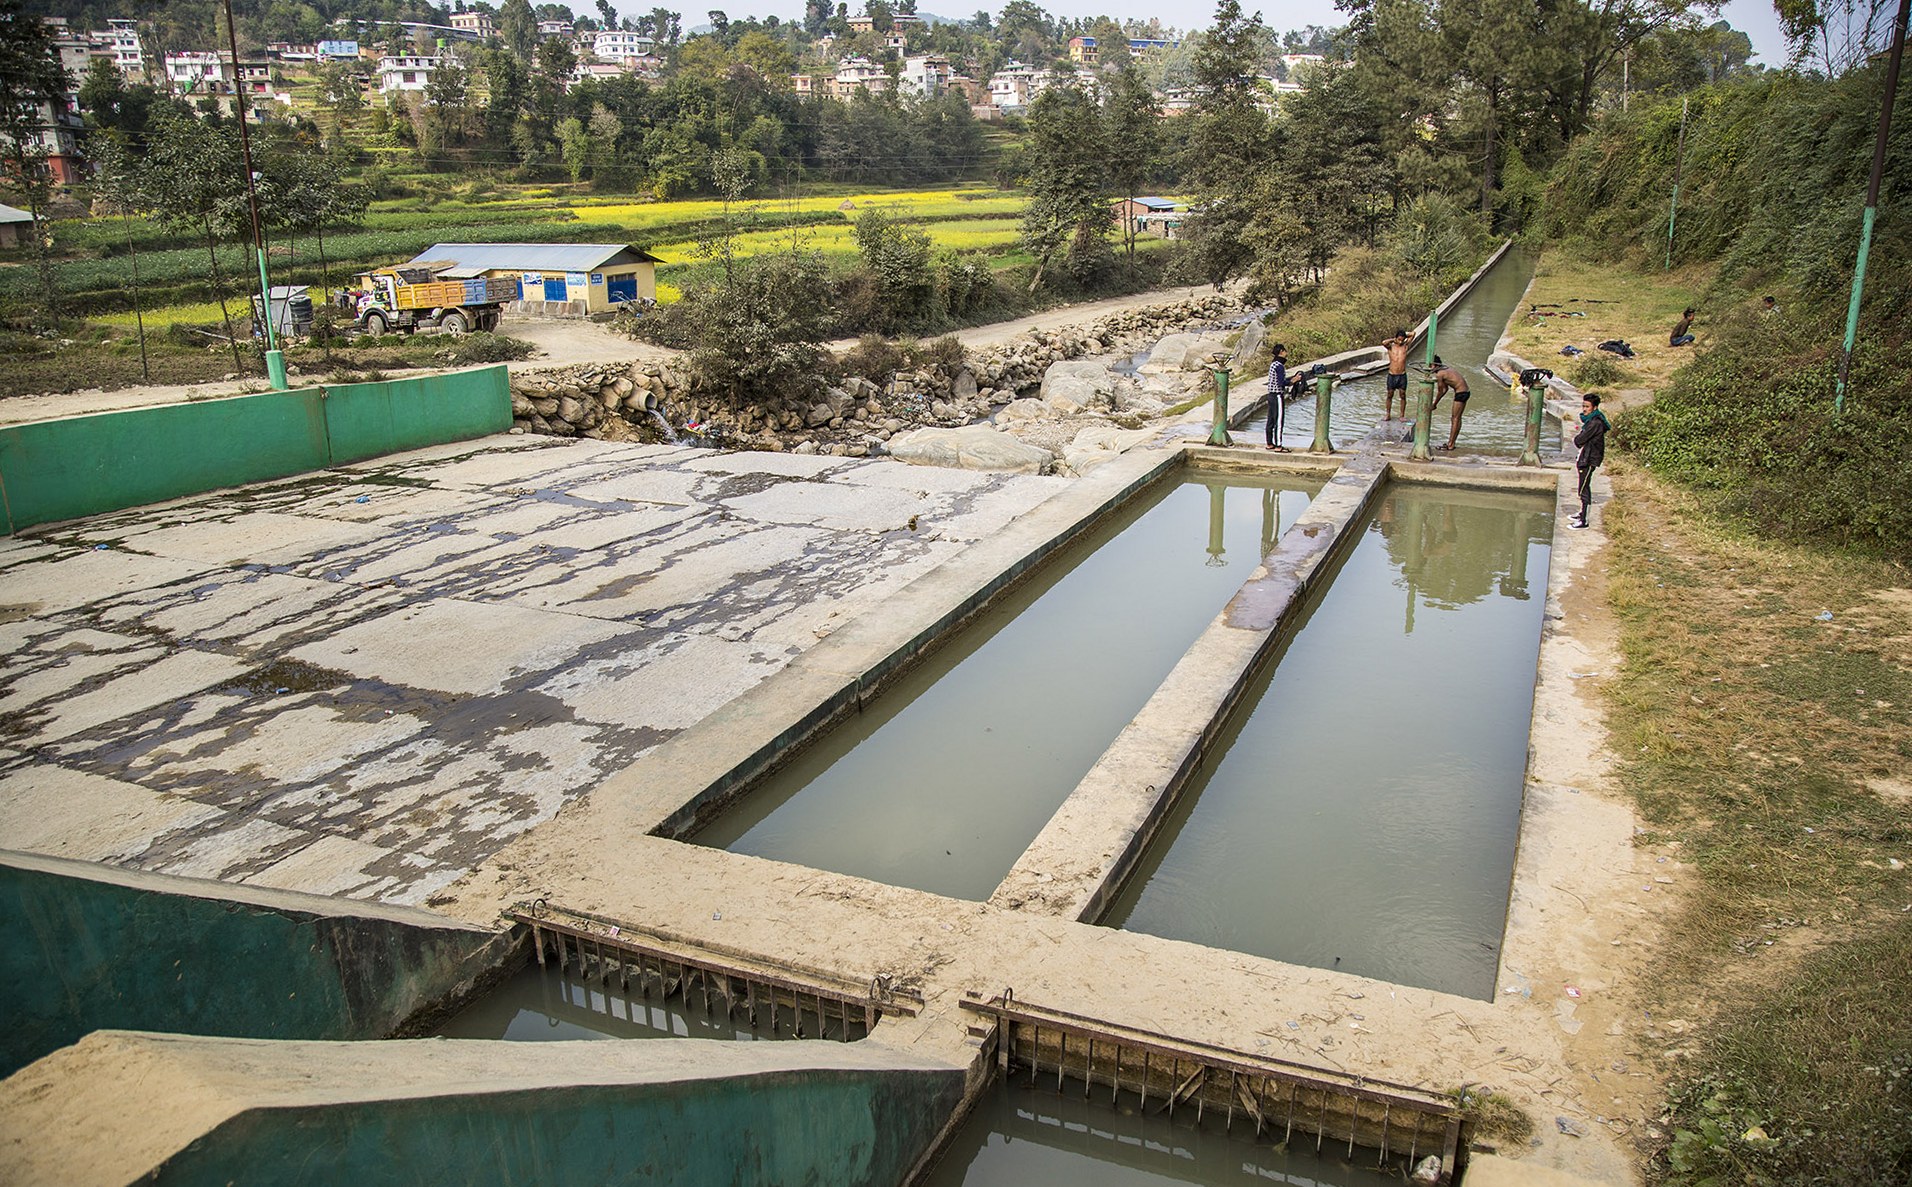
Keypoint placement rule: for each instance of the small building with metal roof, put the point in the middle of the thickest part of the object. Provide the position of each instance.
(591, 277)
(16, 226)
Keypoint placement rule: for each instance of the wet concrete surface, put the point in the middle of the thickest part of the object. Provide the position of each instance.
(366, 680)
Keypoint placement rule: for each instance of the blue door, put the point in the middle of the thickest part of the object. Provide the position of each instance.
(554, 288)
(621, 288)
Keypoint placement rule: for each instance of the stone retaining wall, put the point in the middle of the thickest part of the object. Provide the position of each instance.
(855, 417)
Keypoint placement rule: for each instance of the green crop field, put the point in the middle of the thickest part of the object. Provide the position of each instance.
(94, 277)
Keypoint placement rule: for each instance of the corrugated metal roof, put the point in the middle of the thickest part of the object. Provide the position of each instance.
(470, 259)
(13, 214)
(1162, 204)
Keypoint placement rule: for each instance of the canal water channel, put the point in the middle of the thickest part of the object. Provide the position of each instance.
(1362, 811)
(944, 780)
(1494, 424)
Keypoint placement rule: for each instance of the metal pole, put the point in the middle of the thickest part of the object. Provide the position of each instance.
(275, 361)
(1679, 161)
(1423, 408)
(1536, 411)
(1218, 435)
(1324, 410)
(1872, 204)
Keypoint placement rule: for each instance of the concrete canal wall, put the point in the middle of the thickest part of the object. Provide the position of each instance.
(83, 465)
(91, 947)
(124, 1107)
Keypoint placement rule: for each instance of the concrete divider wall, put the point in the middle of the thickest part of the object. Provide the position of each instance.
(821, 1126)
(91, 947)
(123, 1107)
(84, 465)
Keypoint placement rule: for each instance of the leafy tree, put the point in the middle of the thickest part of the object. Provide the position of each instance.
(118, 185)
(1068, 213)
(1132, 127)
(896, 257)
(518, 28)
(32, 87)
(1230, 141)
(195, 181)
(340, 90)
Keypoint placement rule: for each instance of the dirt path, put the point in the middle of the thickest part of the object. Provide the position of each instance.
(996, 333)
(560, 342)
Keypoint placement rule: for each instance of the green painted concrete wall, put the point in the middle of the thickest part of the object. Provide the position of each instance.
(92, 951)
(84, 465)
(368, 419)
(826, 1128)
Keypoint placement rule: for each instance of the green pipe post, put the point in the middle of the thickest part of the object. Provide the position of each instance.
(1872, 202)
(1218, 434)
(275, 358)
(1679, 163)
(1536, 412)
(1423, 400)
(1324, 411)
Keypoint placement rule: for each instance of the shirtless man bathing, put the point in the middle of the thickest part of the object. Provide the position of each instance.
(1397, 372)
(1447, 379)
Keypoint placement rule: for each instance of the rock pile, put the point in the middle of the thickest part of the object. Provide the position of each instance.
(856, 417)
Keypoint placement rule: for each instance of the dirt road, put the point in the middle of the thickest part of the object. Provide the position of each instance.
(560, 342)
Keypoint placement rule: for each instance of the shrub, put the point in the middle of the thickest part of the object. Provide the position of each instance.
(1597, 370)
(483, 347)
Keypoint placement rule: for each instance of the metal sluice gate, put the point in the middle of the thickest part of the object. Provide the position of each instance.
(775, 1001)
(1281, 1098)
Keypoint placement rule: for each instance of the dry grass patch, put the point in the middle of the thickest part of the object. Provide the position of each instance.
(1764, 699)
(1591, 301)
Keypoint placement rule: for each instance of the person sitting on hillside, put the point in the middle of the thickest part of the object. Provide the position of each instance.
(1768, 305)
(1680, 336)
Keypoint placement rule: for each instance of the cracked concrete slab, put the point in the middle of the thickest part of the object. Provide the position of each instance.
(365, 681)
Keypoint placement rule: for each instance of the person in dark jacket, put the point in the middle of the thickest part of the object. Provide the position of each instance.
(1277, 392)
(1592, 440)
(1682, 330)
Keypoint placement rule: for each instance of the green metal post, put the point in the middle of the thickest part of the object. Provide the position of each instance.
(1218, 435)
(1324, 411)
(1872, 203)
(275, 358)
(1423, 400)
(1536, 411)
(1679, 162)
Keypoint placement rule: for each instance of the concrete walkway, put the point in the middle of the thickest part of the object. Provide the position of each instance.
(365, 681)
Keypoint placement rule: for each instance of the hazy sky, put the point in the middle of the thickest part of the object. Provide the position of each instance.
(1754, 17)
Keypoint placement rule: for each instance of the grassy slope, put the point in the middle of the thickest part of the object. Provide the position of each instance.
(1771, 745)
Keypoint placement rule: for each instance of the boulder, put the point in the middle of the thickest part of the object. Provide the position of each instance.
(1181, 352)
(975, 447)
(1070, 386)
(1253, 335)
(1024, 409)
(965, 386)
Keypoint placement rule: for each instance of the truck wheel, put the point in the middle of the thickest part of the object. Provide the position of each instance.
(376, 324)
(454, 323)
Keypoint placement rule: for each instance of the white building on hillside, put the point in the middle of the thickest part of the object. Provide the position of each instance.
(857, 73)
(407, 73)
(122, 36)
(614, 45)
(927, 75)
(1015, 86)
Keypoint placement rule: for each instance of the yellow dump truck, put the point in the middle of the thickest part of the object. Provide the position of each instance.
(406, 297)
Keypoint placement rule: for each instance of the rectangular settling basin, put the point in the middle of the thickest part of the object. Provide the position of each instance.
(1022, 1132)
(1360, 811)
(942, 782)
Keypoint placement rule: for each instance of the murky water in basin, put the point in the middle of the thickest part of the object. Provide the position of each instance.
(546, 1005)
(1495, 422)
(943, 782)
(1019, 1135)
(1362, 815)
